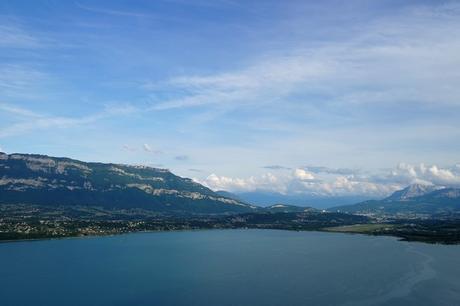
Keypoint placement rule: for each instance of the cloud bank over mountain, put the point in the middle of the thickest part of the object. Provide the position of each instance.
(322, 181)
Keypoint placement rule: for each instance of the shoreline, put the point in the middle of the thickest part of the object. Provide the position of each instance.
(403, 238)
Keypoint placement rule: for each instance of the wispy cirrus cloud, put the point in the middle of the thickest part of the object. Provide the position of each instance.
(341, 171)
(385, 63)
(128, 148)
(18, 111)
(31, 120)
(365, 87)
(256, 84)
(182, 157)
(14, 36)
(276, 167)
(111, 11)
(21, 80)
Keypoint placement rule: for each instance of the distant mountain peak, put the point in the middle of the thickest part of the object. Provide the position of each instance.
(412, 191)
(414, 199)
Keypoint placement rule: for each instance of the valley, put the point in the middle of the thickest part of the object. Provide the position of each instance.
(48, 197)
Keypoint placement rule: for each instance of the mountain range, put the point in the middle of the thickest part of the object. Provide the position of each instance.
(54, 181)
(414, 199)
(45, 180)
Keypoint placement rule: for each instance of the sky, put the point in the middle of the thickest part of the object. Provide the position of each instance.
(328, 98)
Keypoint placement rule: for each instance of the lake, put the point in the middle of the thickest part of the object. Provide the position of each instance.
(229, 267)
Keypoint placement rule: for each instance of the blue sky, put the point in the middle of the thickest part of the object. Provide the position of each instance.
(323, 97)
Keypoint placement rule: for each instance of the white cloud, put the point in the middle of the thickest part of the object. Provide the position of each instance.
(303, 175)
(431, 174)
(266, 181)
(443, 175)
(147, 148)
(303, 182)
(293, 184)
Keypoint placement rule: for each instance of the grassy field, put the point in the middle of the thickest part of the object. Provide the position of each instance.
(360, 228)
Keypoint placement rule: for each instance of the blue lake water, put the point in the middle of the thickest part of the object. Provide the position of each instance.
(229, 267)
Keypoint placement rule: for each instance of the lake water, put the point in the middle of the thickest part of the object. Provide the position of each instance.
(229, 267)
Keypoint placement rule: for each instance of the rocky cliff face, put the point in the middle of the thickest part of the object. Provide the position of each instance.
(44, 180)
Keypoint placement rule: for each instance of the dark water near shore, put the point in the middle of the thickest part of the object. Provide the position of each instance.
(229, 267)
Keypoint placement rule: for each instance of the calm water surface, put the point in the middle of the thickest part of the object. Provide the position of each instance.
(229, 267)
